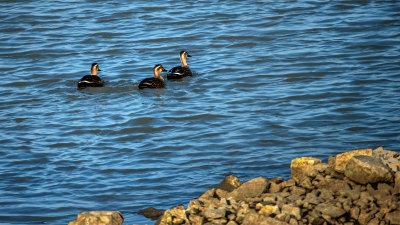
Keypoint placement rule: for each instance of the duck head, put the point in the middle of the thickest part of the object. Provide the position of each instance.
(157, 70)
(182, 56)
(94, 69)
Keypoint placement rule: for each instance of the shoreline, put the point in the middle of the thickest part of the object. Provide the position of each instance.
(356, 187)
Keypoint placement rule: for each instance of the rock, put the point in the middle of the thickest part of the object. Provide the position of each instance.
(208, 194)
(250, 189)
(297, 190)
(389, 158)
(196, 220)
(213, 214)
(274, 188)
(366, 169)
(267, 209)
(151, 213)
(326, 195)
(231, 223)
(292, 210)
(355, 213)
(334, 185)
(276, 180)
(254, 218)
(195, 206)
(176, 215)
(393, 217)
(365, 217)
(311, 198)
(374, 221)
(305, 182)
(230, 183)
(98, 218)
(293, 221)
(301, 166)
(396, 189)
(242, 212)
(330, 210)
(342, 159)
(351, 194)
(221, 193)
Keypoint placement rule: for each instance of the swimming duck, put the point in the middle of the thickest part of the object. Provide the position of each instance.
(179, 72)
(92, 80)
(154, 82)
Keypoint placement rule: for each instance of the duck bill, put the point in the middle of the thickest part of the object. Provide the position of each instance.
(189, 55)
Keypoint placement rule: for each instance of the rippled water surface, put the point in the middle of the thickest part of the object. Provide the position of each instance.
(274, 80)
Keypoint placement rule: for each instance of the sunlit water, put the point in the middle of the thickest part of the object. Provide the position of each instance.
(275, 80)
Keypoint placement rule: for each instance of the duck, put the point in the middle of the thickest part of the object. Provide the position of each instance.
(179, 72)
(92, 80)
(154, 82)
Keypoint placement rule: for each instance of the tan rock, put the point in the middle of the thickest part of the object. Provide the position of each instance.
(292, 210)
(98, 218)
(254, 218)
(302, 166)
(176, 215)
(267, 209)
(334, 185)
(250, 189)
(393, 217)
(330, 210)
(388, 157)
(342, 159)
(366, 169)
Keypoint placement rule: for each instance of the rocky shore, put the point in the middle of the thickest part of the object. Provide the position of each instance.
(356, 187)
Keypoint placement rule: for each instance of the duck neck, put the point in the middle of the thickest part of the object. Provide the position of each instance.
(93, 71)
(157, 74)
(183, 61)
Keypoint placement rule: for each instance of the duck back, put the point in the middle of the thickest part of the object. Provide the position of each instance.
(151, 83)
(90, 81)
(179, 72)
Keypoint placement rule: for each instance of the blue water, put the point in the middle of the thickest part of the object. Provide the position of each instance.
(275, 80)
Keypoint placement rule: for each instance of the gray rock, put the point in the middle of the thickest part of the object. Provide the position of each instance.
(250, 189)
(215, 213)
(366, 169)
